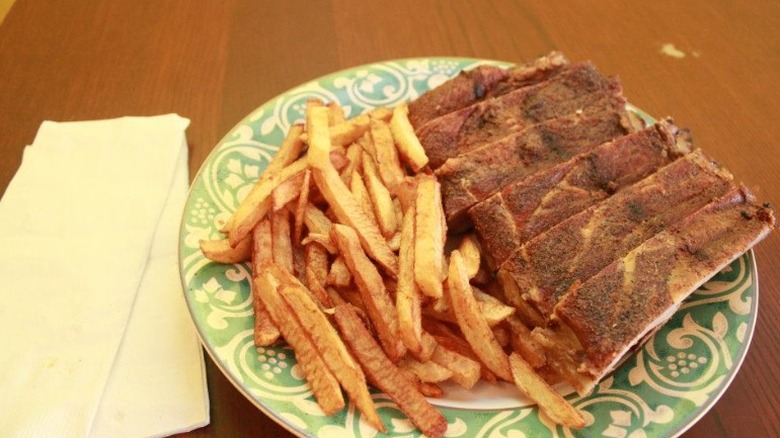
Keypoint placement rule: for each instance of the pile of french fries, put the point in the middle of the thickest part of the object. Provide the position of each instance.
(346, 238)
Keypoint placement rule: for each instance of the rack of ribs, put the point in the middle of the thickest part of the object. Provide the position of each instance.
(473, 176)
(601, 319)
(522, 210)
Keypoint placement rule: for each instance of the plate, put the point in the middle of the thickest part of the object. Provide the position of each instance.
(659, 391)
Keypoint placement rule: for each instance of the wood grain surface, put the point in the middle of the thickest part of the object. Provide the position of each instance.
(214, 61)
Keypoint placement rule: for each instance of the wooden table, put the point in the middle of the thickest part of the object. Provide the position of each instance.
(215, 61)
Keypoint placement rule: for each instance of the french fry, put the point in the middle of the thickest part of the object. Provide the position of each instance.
(354, 154)
(316, 221)
(382, 203)
(322, 239)
(471, 321)
(341, 200)
(300, 208)
(430, 371)
(406, 193)
(379, 307)
(265, 331)
(343, 133)
(323, 383)
(524, 344)
(429, 244)
(339, 274)
(407, 298)
(465, 371)
(381, 114)
(513, 296)
(220, 250)
(282, 245)
(409, 147)
(316, 257)
(359, 190)
(258, 201)
(332, 350)
(469, 249)
(549, 401)
(335, 114)
(288, 152)
(287, 191)
(386, 155)
(383, 374)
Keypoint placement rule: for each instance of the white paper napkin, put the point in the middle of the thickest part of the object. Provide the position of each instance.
(96, 340)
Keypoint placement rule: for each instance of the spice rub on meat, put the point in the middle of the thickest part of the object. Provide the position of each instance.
(546, 267)
(608, 314)
(573, 89)
(473, 176)
(527, 208)
(481, 82)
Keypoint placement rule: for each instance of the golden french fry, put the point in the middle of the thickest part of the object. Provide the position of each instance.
(469, 249)
(322, 239)
(282, 245)
(288, 152)
(524, 344)
(407, 298)
(339, 274)
(465, 371)
(382, 203)
(386, 155)
(382, 114)
(360, 192)
(471, 320)
(343, 133)
(316, 257)
(343, 203)
(316, 221)
(350, 213)
(300, 208)
(493, 309)
(430, 371)
(323, 383)
(514, 297)
(220, 250)
(354, 154)
(335, 114)
(287, 191)
(332, 350)
(379, 306)
(265, 331)
(549, 401)
(409, 147)
(406, 192)
(258, 201)
(383, 374)
(429, 244)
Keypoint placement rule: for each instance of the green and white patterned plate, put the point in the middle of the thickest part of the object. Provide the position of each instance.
(660, 391)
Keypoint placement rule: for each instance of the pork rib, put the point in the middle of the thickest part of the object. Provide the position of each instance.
(527, 208)
(573, 89)
(619, 306)
(473, 176)
(545, 267)
(474, 85)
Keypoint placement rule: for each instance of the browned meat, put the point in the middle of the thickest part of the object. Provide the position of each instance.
(522, 210)
(573, 89)
(546, 266)
(484, 81)
(477, 174)
(616, 308)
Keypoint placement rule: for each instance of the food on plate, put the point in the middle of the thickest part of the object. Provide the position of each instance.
(589, 230)
(573, 89)
(524, 209)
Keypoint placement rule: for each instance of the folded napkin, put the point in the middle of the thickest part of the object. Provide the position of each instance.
(96, 340)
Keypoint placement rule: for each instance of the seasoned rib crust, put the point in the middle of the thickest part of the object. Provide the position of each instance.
(573, 89)
(548, 265)
(617, 307)
(522, 210)
(484, 81)
(477, 174)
